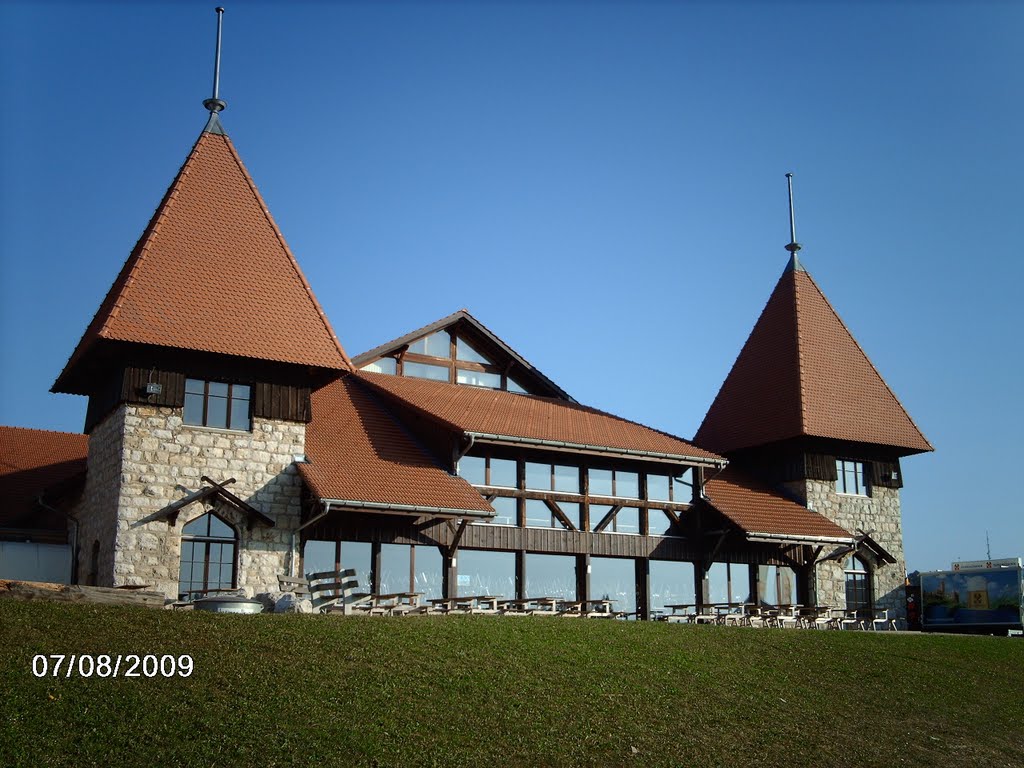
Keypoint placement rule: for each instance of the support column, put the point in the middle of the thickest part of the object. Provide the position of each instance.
(702, 586)
(449, 574)
(756, 590)
(520, 575)
(582, 577)
(375, 567)
(643, 589)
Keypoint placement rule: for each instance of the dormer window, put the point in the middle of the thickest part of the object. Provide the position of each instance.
(217, 404)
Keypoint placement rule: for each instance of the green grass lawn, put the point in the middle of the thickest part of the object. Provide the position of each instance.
(493, 691)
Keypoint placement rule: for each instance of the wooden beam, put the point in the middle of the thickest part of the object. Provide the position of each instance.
(454, 546)
(607, 518)
(562, 517)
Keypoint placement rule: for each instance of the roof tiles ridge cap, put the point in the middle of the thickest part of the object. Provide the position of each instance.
(43, 431)
(284, 245)
(868, 359)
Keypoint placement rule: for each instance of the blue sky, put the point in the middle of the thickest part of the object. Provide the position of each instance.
(602, 184)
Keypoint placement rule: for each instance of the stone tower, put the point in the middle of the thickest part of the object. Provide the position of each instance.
(198, 366)
(804, 409)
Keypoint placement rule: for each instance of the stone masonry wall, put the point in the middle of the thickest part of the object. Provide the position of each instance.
(878, 514)
(162, 460)
(97, 510)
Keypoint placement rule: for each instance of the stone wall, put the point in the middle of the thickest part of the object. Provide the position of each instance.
(878, 514)
(97, 511)
(161, 460)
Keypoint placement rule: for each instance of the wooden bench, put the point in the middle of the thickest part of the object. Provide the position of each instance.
(329, 590)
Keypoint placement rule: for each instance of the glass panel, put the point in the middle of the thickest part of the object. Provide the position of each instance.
(240, 391)
(465, 352)
(597, 513)
(659, 523)
(239, 414)
(682, 487)
(505, 511)
(193, 409)
(435, 345)
(318, 556)
(219, 529)
(627, 485)
(514, 386)
(503, 473)
(627, 520)
(601, 482)
(356, 555)
(218, 389)
(224, 582)
(472, 469)
(768, 584)
(428, 579)
(538, 476)
(551, 576)
(384, 365)
(538, 515)
(671, 584)
(394, 568)
(478, 378)
(195, 386)
(198, 527)
(657, 487)
(739, 582)
(425, 371)
(486, 573)
(571, 510)
(614, 578)
(567, 479)
(217, 412)
(718, 583)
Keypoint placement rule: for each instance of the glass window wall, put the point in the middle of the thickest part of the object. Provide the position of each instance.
(671, 584)
(425, 371)
(551, 576)
(613, 578)
(435, 345)
(486, 573)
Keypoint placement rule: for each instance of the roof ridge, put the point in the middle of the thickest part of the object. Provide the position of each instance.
(284, 245)
(867, 359)
(44, 431)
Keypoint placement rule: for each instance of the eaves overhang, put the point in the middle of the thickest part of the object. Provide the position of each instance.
(603, 450)
(378, 507)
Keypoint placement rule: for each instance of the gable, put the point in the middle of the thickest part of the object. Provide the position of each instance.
(459, 349)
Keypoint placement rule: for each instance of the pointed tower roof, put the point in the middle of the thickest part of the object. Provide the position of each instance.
(802, 374)
(211, 273)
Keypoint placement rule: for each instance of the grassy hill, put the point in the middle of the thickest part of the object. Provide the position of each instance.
(492, 691)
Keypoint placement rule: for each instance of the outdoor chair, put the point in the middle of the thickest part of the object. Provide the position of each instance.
(883, 621)
(336, 591)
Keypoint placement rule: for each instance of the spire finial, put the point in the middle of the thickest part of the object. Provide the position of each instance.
(793, 245)
(215, 103)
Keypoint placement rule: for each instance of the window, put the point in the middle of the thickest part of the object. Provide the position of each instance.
(858, 585)
(383, 365)
(625, 520)
(465, 352)
(552, 477)
(217, 404)
(850, 478)
(425, 371)
(480, 470)
(478, 378)
(208, 547)
(436, 345)
(614, 482)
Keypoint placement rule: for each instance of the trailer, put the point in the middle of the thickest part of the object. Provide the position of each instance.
(979, 597)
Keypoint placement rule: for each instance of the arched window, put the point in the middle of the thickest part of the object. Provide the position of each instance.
(858, 584)
(208, 546)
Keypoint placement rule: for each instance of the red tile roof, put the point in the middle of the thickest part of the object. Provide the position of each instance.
(493, 412)
(213, 273)
(756, 508)
(31, 462)
(801, 373)
(359, 452)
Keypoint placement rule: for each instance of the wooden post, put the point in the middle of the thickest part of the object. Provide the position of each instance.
(702, 586)
(643, 589)
(375, 567)
(583, 577)
(449, 574)
(756, 591)
(520, 574)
